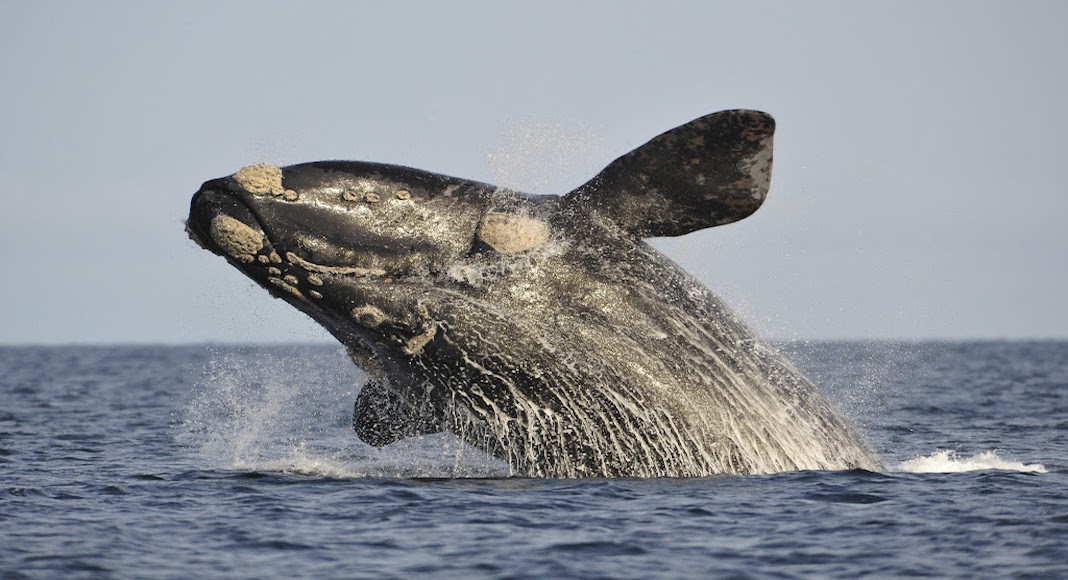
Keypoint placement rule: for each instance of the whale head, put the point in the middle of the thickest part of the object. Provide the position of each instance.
(340, 216)
(341, 241)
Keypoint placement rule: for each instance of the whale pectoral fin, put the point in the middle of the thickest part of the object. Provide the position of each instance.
(380, 417)
(711, 171)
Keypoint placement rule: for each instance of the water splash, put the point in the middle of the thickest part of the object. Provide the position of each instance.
(951, 462)
(275, 148)
(545, 156)
(249, 405)
(288, 410)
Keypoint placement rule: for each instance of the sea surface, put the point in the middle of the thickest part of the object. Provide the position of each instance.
(240, 462)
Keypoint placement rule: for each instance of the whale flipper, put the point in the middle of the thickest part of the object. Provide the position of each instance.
(380, 417)
(711, 171)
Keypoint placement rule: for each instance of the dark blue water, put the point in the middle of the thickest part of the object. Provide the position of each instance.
(240, 462)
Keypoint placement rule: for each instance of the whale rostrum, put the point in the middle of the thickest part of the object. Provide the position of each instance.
(541, 329)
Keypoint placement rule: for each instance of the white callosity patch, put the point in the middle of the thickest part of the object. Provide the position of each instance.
(511, 234)
(415, 345)
(338, 270)
(368, 315)
(235, 238)
(284, 285)
(263, 179)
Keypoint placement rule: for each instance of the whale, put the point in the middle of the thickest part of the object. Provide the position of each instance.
(541, 329)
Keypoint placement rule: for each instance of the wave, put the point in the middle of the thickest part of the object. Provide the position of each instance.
(951, 462)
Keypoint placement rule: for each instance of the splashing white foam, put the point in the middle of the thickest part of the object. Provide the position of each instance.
(950, 462)
(301, 462)
(283, 411)
(433, 456)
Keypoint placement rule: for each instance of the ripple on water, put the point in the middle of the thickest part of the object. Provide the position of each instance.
(598, 548)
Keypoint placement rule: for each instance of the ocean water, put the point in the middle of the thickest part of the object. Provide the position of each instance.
(240, 462)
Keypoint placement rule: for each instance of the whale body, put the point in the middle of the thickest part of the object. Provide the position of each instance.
(541, 329)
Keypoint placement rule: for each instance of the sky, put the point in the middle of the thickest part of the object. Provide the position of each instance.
(917, 191)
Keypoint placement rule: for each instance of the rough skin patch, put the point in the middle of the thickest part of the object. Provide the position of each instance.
(235, 238)
(261, 179)
(368, 315)
(340, 270)
(416, 343)
(511, 234)
(286, 286)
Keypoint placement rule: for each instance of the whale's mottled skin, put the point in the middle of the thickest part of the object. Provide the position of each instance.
(541, 329)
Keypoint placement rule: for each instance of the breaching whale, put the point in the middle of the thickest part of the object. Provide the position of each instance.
(541, 329)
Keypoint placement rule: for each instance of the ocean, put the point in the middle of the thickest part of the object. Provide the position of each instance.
(240, 462)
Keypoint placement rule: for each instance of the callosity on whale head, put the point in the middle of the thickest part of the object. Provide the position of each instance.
(539, 328)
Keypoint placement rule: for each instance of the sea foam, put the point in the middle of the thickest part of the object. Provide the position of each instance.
(951, 462)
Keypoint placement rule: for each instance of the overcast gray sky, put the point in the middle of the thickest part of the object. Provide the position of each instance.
(918, 188)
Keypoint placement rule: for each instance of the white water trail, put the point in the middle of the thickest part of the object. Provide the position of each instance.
(951, 462)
